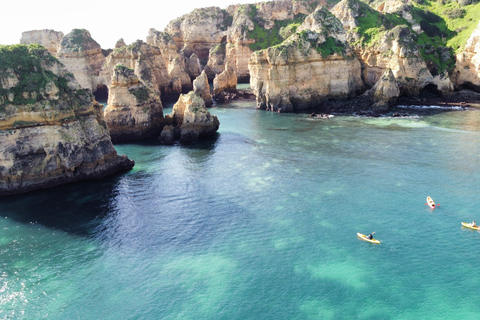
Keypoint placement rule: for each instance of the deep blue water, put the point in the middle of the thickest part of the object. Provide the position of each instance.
(260, 223)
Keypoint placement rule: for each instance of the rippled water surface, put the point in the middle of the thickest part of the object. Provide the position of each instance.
(260, 223)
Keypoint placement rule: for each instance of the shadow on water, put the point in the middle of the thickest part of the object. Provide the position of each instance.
(74, 208)
(81, 207)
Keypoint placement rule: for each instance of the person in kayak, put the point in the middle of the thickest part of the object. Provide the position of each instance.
(370, 236)
(474, 224)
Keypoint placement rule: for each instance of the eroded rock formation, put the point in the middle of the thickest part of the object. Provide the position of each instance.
(134, 112)
(157, 68)
(51, 130)
(82, 56)
(50, 39)
(202, 88)
(313, 64)
(467, 69)
(225, 82)
(191, 121)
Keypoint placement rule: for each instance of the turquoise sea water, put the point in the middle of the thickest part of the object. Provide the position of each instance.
(260, 223)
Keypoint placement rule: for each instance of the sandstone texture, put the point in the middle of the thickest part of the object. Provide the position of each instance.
(408, 38)
(313, 64)
(157, 68)
(191, 121)
(225, 82)
(467, 69)
(134, 112)
(202, 88)
(52, 131)
(50, 39)
(82, 56)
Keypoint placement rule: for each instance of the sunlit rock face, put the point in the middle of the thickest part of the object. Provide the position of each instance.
(157, 67)
(134, 112)
(202, 88)
(248, 18)
(191, 121)
(225, 82)
(52, 131)
(199, 31)
(82, 56)
(50, 39)
(467, 69)
(312, 65)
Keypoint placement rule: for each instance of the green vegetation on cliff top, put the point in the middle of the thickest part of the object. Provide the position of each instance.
(27, 67)
(265, 38)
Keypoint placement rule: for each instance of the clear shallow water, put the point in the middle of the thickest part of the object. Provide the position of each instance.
(260, 223)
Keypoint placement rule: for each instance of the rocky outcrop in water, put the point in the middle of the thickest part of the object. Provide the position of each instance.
(384, 93)
(158, 68)
(202, 88)
(395, 49)
(134, 112)
(398, 35)
(191, 121)
(51, 130)
(225, 82)
(312, 65)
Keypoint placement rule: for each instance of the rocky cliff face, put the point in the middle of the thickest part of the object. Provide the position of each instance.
(467, 69)
(199, 31)
(396, 35)
(50, 39)
(313, 64)
(202, 88)
(51, 130)
(225, 82)
(134, 112)
(149, 64)
(191, 121)
(82, 56)
(395, 49)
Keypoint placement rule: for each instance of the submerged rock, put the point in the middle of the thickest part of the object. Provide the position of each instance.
(51, 130)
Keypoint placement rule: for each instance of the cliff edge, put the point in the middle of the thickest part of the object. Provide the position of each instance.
(51, 130)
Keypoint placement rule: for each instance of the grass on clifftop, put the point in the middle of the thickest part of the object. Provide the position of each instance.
(265, 38)
(28, 64)
(456, 22)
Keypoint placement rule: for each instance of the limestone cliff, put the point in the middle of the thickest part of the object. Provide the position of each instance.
(51, 130)
(467, 69)
(191, 121)
(149, 65)
(82, 56)
(384, 93)
(202, 88)
(134, 112)
(312, 65)
(258, 26)
(50, 39)
(199, 31)
(394, 49)
(225, 82)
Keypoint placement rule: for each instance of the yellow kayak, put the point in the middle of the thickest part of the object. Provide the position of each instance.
(469, 225)
(364, 237)
(430, 202)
